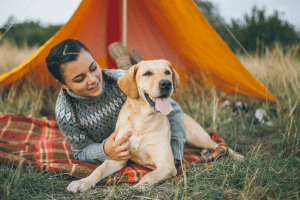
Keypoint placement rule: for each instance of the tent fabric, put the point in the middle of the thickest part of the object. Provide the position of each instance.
(176, 31)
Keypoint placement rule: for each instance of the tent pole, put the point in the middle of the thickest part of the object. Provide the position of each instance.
(124, 35)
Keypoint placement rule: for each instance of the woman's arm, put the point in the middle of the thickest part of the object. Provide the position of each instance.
(178, 135)
(84, 148)
(92, 153)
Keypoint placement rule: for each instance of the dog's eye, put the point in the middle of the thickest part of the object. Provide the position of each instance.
(167, 72)
(148, 73)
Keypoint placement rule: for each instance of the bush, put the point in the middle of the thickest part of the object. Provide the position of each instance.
(255, 32)
(259, 31)
(28, 33)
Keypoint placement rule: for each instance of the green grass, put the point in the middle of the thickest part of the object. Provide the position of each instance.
(29, 184)
(271, 169)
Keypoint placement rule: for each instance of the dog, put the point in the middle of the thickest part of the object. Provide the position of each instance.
(148, 85)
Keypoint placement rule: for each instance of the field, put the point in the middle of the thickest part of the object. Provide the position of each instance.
(271, 169)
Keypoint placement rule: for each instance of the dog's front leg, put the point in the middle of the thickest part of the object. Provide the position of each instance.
(107, 168)
(163, 172)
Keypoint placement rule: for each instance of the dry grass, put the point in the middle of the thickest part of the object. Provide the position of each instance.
(23, 97)
(278, 70)
(11, 56)
(271, 166)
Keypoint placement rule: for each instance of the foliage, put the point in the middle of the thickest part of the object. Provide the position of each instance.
(211, 12)
(28, 33)
(259, 31)
(254, 32)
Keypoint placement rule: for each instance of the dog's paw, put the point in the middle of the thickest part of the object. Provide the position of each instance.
(205, 153)
(238, 157)
(142, 186)
(81, 185)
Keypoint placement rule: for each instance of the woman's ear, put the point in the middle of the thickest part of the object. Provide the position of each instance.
(64, 86)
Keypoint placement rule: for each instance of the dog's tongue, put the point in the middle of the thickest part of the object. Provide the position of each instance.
(163, 105)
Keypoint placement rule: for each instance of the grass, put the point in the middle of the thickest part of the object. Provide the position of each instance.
(271, 169)
(28, 99)
(29, 184)
(11, 56)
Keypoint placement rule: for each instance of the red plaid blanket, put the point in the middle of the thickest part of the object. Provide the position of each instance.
(26, 140)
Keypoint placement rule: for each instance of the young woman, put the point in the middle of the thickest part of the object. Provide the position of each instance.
(89, 103)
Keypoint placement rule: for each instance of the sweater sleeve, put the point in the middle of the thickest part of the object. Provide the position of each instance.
(178, 135)
(84, 148)
(115, 73)
(92, 153)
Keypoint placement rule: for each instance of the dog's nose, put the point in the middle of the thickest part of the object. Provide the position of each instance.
(165, 84)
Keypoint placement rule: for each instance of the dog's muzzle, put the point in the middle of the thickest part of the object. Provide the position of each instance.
(151, 103)
(165, 84)
(165, 87)
(161, 103)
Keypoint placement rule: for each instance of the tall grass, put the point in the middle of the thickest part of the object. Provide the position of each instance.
(23, 97)
(29, 99)
(278, 69)
(271, 169)
(11, 56)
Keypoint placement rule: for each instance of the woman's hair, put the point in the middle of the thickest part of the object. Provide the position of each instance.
(64, 52)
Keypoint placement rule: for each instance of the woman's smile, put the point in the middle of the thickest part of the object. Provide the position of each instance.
(83, 76)
(96, 87)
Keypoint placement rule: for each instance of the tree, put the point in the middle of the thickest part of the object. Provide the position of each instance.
(211, 13)
(258, 31)
(29, 32)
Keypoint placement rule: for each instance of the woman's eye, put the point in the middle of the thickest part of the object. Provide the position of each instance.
(94, 68)
(79, 80)
(148, 73)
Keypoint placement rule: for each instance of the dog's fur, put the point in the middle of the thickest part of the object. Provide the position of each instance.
(150, 142)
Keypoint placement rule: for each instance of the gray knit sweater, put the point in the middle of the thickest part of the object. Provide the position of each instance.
(99, 115)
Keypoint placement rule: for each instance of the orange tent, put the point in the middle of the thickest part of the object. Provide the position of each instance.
(176, 31)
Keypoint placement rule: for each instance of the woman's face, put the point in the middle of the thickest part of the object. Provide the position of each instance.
(83, 76)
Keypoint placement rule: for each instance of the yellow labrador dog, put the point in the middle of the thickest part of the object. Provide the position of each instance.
(148, 86)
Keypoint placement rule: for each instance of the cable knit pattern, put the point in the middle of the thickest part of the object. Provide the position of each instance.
(99, 115)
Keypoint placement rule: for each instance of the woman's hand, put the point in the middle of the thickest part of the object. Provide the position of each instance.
(117, 149)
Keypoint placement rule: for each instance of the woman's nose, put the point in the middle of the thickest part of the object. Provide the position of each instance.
(91, 79)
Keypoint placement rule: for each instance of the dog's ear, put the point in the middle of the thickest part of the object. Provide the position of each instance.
(127, 83)
(175, 76)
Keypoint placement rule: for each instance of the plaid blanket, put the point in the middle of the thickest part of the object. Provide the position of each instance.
(38, 142)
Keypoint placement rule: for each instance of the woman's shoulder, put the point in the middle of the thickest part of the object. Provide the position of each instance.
(115, 73)
(61, 97)
(62, 106)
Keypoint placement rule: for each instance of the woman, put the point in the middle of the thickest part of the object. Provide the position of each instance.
(89, 103)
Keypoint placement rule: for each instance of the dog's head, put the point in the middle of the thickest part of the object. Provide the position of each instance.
(150, 80)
